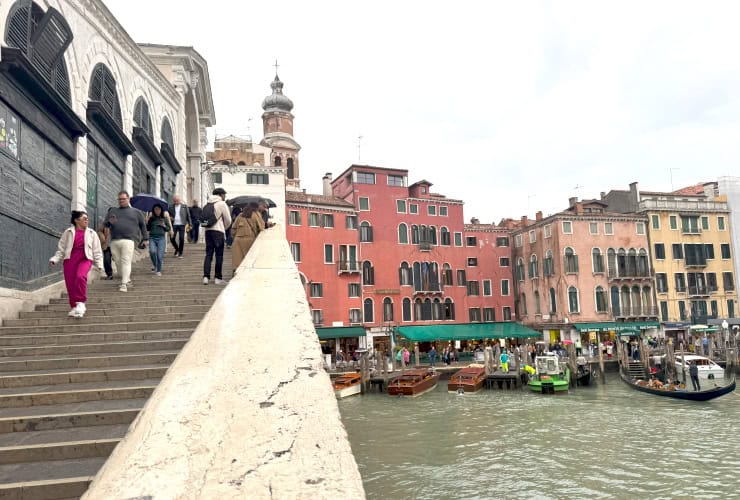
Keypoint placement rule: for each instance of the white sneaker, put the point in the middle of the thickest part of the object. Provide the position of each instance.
(205, 280)
(159, 274)
(123, 288)
(80, 310)
(219, 281)
(73, 312)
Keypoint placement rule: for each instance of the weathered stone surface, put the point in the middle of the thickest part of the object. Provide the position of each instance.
(246, 410)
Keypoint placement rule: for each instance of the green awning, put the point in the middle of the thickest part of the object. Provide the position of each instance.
(608, 326)
(466, 331)
(340, 332)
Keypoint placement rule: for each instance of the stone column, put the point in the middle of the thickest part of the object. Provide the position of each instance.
(79, 175)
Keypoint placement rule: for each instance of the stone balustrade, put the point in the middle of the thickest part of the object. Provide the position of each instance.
(246, 410)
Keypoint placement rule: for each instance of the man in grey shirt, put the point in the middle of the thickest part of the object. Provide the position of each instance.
(127, 227)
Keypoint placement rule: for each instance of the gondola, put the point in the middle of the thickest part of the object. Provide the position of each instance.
(704, 395)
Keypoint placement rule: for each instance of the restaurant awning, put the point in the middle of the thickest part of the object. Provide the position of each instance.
(340, 332)
(608, 326)
(466, 331)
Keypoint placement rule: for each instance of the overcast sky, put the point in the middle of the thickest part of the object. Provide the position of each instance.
(511, 106)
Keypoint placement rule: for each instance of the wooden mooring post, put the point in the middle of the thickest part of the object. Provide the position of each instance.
(364, 373)
(417, 361)
(571, 348)
(601, 362)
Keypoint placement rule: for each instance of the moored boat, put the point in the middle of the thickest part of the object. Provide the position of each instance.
(551, 377)
(707, 368)
(348, 384)
(677, 391)
(413, 383)
(469, 379)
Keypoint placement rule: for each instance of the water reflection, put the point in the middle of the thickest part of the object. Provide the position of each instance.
(606, 441)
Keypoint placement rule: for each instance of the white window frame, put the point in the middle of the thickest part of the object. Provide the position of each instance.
(532, 236)
(443, 208)
(508, 288)
(455, 239)
(317, 217)
(432, 210)
(320, 290)
(570, 223)
(298, 217)
(610, 226)
(591, 226)
(398, 206)
(332, 253)
(547, 230)
(490, 288)
(359, 204)
(638, 225)
(292, 252)
(413, 209)
(724, 223)
(517, 240)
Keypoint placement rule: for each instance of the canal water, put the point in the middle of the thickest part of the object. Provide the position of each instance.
(607, 441)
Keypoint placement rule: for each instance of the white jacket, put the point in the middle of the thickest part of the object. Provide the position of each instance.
(223, 214)
(93, 250)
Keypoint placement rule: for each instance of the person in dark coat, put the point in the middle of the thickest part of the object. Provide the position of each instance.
(694, 373)
(195, 214)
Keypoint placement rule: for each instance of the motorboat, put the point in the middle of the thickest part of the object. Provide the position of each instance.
(413, 383)
(551, 375)
(707, 368)
(468, 379)
(347, 384)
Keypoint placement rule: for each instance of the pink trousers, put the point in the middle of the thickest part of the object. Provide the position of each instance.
(75, 277)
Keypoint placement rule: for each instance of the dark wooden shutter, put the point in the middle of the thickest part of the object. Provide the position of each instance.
(50, 39)
(167, 137)
(18, 31)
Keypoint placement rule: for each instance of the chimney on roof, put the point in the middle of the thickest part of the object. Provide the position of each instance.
(572, 201)
(525, 221)
(634, 195)
(709, 189)
(474, 220)
(538, 216)
(327, 184)
(579, 208)
(603, 195)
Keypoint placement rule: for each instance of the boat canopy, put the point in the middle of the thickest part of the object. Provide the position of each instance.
(609, 326)
(340, 332)
(466, 331)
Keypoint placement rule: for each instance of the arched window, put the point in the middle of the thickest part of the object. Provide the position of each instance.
(403, 234)
(278, 161)
(636, 301)
(625, 301)
(103, 90)
(643, 267)
(448, 310)
(447, 275)
(291, 170)
(553, 302)
(426, 310)
(573, 304)
(616, 310)
(597, 260)
(417, 310)
(368, 311)
(414, 234)
(602, 301)
(142, 118)
(368, 273)
(406, 309)
(520, 269)
(167, 136)
(571, 261)
(611, 262)
(242, 164)
(387, 309)
(622, 263)
(404, 274)
(43, 37)
(534, 271)
(537, 302)
(522, 305)
(647, 302)
(548, 268)
(436, 310)
(366, 232)
(433, 235)
(444, 236)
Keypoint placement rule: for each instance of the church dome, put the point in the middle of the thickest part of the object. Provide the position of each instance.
(277, 101)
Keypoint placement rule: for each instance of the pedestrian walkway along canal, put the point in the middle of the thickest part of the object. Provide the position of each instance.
(606, 441)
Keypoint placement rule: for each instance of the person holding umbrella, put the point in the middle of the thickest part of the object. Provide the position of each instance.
(158, 226)
(244, 230)
(127, 227)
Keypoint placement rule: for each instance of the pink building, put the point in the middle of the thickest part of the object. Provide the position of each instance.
(583, 273)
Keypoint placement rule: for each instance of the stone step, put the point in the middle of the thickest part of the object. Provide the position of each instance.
(10, 353)
(57, 451)
(13, 486)
(93, 338)
(95, 432)
(60, 420)
(81, 375)
(129, 316)
(95, 325)
(202, 292)
(124, 299)
(80, 396)
(102, 385)
(73, 361)
(144, 308)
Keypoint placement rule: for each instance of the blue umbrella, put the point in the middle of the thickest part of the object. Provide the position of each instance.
(145, 202)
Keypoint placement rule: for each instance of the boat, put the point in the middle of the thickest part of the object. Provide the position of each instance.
(551, 376)
(707, 368)
(347, 384)
(469, 379)
(583, 374)
(413, 383)
(678, 391)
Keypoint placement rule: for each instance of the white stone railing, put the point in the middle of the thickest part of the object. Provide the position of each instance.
(246, 410)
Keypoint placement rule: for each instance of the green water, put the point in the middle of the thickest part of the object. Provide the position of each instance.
(607, 441)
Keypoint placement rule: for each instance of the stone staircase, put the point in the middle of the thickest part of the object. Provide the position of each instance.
(636, 370)
(69, 388)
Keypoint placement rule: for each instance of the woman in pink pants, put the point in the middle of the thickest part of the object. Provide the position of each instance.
(79, 247)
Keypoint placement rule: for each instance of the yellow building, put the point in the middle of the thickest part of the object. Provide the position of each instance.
(690, 252)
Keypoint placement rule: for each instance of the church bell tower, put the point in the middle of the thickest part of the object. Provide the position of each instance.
(277, 125)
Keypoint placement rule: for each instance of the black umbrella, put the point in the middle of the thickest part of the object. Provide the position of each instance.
(243, 201)
(145, 202)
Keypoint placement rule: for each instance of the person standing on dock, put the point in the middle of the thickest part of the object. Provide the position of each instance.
(432, 356)
(504, 362)
(694, 373)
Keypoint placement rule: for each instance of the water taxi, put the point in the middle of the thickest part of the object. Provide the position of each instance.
(348, 384)
(413, 383)
(469, 379)
(551, 377)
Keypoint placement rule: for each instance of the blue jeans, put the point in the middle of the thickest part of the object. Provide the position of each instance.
(157, 247)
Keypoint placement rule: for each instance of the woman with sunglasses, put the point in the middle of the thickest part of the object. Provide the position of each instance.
(79, 247)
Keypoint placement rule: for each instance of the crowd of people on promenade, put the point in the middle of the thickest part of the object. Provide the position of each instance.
(125, 228)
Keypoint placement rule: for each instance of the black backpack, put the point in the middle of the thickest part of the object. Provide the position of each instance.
(208, 216)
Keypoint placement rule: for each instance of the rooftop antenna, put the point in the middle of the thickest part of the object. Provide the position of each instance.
(671, 172)
(359, 149)
(577, 187)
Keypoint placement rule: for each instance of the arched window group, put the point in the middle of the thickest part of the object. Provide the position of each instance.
(627, 263)
(634, 301)
(433, 309)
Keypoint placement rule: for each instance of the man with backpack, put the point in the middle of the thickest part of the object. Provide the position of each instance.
(215, 218)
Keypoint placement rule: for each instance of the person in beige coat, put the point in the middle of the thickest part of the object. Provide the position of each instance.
(79, 247)
(245, 229)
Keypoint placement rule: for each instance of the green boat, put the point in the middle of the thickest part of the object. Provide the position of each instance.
(551, 377)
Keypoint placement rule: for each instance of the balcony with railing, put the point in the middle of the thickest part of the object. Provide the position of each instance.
(629, 274)
(697, 206)
(698, 291)
(635, 312)
(348, 266)
(425, 246)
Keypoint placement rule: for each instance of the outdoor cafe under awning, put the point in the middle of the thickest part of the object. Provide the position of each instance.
(630, 328)
(340, 332)
(467, 331)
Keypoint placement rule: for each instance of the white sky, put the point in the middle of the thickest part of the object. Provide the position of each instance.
(510, 106)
